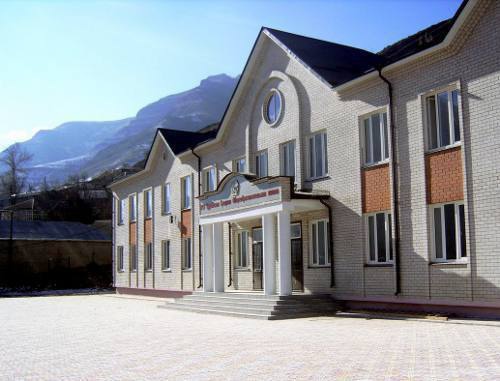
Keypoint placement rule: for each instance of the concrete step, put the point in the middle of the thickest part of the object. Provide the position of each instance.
(261, 301)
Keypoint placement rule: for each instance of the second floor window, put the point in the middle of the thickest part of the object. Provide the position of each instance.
(148, 203)
(239, 165)
(121, 210)
(379, 242)
(261, 164)
(132, 207)
(443, 123)
(318, 158)
(186, 192)
(287, 158)
(209, 179)
(166, 199)
(376, 138)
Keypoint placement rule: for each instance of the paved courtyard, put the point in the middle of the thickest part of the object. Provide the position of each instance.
(107, 337)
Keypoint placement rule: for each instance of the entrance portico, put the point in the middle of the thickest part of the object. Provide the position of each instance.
(240, 198)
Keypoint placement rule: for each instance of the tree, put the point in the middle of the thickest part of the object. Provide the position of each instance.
(16, 159)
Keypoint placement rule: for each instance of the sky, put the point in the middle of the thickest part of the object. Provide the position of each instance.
(71, 60)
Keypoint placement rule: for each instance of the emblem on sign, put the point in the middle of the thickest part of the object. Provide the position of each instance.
(235, 189)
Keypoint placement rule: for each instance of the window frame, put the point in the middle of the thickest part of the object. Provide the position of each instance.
(133, 258)
(312, 154)
(184, 194)
(388, 238)
(239, 245)
(183, 252)
(258, 160)
(265, 107)
(148, 257)
(166, 245)
(312, 243)
(285, 165)
(458, 239)
(235, 164)
(166, 189)
(120, 259)
(205, 182)
(120, 206)
(132, 196)
(451, 117)
(384, 137)
(148, 197)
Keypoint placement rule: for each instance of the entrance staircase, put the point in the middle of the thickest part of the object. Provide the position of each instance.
(256, 306)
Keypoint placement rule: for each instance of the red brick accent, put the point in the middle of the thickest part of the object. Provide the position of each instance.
(375, 188)
(186, 225)
(148, 230)
(133, 233)
(444, 177)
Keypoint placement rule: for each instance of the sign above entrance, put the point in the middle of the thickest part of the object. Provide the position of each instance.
(237, 191)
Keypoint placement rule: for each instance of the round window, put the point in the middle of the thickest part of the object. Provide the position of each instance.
(272, 110)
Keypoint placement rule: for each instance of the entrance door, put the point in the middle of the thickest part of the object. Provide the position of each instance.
(257, 258)
(296, 254)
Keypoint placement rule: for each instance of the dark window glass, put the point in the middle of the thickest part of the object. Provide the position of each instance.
(462, 230)
(377, 140)
(433, 130)
(450, 232)
(321, 243)
(311, 157)
(381, 237)
(438, 238)
(368, 142)
(386, 136)
(444, 121)
(319, 159)
(371, 237)
(389, 223)
(315, 244)
(456, 120)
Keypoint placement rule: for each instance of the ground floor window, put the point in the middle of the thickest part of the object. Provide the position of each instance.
(165, 255)
(133, 257)
(320, 237)
(378, 237)
(242, 247)
(148, 257)
(186, 254)
(119, 259)
(448, 232)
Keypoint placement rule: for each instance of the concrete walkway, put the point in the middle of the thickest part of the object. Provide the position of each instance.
(103, 337)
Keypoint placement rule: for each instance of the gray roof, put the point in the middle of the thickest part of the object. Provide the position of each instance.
(52, 230)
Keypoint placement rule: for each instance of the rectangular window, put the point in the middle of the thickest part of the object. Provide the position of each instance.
(120, 265)
(320, 237)
(379, 237)
(148, 257)
(239, 165)
(376, 138)
(443, 123)
(242, 246)
(448, 225)
(133, 257)
(120, 211)
(295, 230)
(287, 158)
(166, 199)
(318, 158)
(132, 207)
(165, 255)
(209, 179)
(186, 254)
(261, 164)
(186, 192)
(148, 203)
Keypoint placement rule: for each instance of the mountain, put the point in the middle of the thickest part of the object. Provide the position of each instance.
(93, 147)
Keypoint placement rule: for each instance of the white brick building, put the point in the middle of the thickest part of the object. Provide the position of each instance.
(370, 177)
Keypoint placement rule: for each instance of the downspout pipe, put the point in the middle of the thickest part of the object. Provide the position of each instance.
(330, 242)
(200, 275)
(395, 180)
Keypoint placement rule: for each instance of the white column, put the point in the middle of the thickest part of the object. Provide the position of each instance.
(269, 244)
(284, 252)
(218, 251)
(207, 250)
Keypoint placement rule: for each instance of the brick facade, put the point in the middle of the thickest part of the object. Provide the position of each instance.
(444, 176)
(376, 188)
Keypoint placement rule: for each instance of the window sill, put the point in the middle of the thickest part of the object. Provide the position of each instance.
(450, 264)
(379, 265)
(315, 179)
(133, 271)
(166, 270)
(120, 224)
(148, 218)
(133, 221)
(445, 148)
(242, 269)
(375, 165)
(318, 266)
(185, 209)
(166, 214)
(148, 271)
(120, 271)
(187, 270)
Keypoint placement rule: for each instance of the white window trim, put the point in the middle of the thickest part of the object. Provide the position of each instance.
(120, 259)
(460, 259)
(190, 192)
(204, 182)
(148, 252)
(423, 100)
(362, 119)
(283, 165)
(259, 154)
(235, 161)
(133, 195)
(387, 215)
(327, 244)
(136, 262)
(145, 193)
(239, 254)
(265, 107)
(164, 210)
(325, 157)
(120, 210)
(163, 253)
